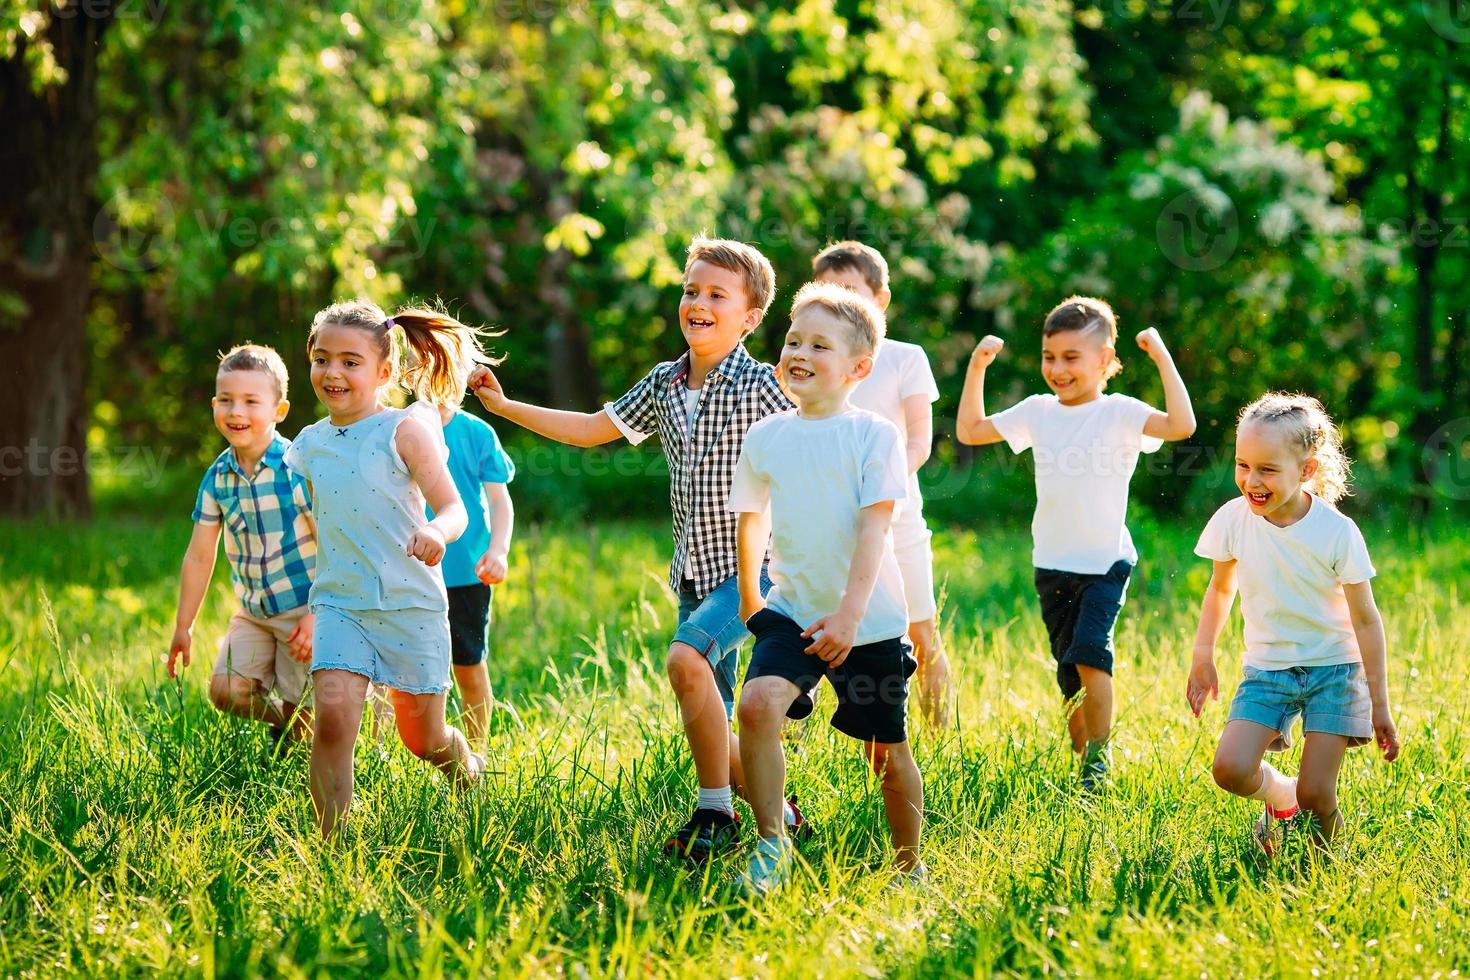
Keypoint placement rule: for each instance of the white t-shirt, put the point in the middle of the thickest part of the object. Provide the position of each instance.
(1084, 455)
(900, 371)
(815, 475)
(1291, 579)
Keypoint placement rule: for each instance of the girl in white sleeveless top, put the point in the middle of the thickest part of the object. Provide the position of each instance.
(378, 597)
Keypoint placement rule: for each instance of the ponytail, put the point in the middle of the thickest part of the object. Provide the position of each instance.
(444, 351)
(1309, 429)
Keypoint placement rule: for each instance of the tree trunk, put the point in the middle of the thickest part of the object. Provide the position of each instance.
(47, 165)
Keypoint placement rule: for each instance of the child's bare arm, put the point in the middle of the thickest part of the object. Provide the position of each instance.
(1177, 419)
(918, 430)
(493, 565)
(194, 576)
(1214, 610)
(419, 448)
(973, 427)
(752, 534)
(1368, 626)
(839, 630)
(573, 428)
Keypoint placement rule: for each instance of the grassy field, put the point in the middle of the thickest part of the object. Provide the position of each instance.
(142, 831)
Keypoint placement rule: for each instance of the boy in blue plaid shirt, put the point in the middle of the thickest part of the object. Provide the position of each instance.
(271, 547)
(700, 405)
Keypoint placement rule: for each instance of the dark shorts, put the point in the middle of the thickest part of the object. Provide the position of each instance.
(1079, 612)
(871, 684)
(469, 614)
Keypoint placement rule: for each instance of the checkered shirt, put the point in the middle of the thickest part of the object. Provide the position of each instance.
(268, 539)
(739, 392)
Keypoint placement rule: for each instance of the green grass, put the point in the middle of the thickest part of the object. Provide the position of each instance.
(140, 830)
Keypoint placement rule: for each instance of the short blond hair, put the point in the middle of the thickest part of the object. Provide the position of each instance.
(865, 260)
(256, 357)
(747, 261)
(866, 323)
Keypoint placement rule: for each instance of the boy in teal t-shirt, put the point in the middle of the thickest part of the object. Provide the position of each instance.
(476, 561)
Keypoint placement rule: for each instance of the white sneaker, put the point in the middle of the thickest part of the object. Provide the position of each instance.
(769, 869)
(1264, 834)
(913, 879)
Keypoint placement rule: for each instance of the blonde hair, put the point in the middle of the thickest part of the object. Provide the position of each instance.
(434, 358)
(256, 357)
(865, 260)
(745, 260)
(1086, 314)
(1310, 431)
(866, 323)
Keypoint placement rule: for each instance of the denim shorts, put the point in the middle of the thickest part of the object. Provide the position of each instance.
(1333, 700)
(405, 649)
(1079, 612)
(712, 626)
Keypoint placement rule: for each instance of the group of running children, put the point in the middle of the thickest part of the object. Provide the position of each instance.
(365, 550)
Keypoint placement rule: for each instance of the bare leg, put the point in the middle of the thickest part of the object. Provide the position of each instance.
(1316, 788)
(474, 690)
(763, 704)
(339, 699)
(903, 798)
(244, 697)
(1076, 723)
(933, 680)
(1238, 757)
(711, 742)
(424, 731)
(1097, 707)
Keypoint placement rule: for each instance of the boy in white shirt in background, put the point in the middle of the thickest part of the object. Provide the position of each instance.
(1086, 446)
(821, 483)
(901, 389)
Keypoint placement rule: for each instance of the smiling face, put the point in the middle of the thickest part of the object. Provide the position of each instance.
(1270, 472)
(715, 313)
(347, 372)
(818, 362)
(1075, 363)
(246, 409)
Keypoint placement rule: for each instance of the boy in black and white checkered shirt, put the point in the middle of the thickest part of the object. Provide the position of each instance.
(700, 405)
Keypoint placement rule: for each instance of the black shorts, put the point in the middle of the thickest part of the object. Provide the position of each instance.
(871, 684)
(469, 613)
(1079, 612)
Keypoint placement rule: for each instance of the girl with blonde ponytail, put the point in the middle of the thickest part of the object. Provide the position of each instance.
(1314, 642)
(379, 597)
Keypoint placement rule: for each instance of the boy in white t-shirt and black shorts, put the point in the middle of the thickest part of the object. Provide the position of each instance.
(901, 388)
(821, 482)
(1086, 446)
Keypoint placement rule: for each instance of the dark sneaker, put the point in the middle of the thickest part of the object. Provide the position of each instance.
(707, 834)
(800, 830)
(1095, 766)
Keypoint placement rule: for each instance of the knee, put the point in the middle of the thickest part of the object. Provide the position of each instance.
(1232, 776)
(1320, 799)
(330, 726)
(426, 741)
(682, 663)
(227, 695)
(758, 711)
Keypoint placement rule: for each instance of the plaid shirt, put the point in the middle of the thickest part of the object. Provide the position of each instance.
(269, 543)
(739, 392)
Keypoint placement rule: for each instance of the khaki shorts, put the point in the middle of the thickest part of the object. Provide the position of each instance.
(256, 649)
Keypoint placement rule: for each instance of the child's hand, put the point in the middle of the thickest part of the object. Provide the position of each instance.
(1151, 343)
(427, 545)
(487, 388)
(1384, 733)
(1203, 682)
(179, 646)
(838, 632)
(986, 351)
(490, 569)
(298, 644)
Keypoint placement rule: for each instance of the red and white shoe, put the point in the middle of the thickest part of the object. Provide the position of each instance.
(1264, 833)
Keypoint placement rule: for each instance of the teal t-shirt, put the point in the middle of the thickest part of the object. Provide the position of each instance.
(475, 458)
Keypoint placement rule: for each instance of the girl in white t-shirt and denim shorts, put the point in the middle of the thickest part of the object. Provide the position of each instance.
(1314, 640)
(1086, 445)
